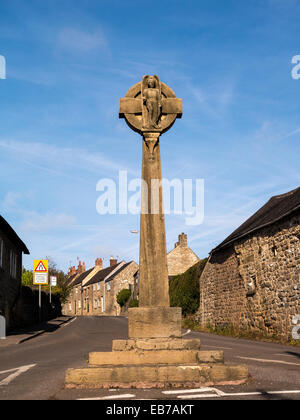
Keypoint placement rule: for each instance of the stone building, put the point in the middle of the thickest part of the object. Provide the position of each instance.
(94, 292)
(181, 258)
(252, 279)
(11, 252)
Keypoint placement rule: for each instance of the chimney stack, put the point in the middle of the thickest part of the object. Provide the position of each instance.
(113, 262)
(79, 269)
(72, 271)
(99, 263)
(182, 240)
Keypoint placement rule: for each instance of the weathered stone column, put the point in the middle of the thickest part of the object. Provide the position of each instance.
(154, 284)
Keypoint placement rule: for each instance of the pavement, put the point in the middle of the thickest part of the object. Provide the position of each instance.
(28, 333)
(35, 368)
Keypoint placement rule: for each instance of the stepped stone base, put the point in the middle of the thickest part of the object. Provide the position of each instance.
(162, 376)
(156, 363)
(155, 356)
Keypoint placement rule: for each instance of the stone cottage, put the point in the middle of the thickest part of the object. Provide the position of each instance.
(181, 258)
(11, 252)
(252, 279)
(94, 292)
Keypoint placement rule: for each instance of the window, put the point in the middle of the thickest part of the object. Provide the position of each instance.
(1, 252)
(95, 287)
(108, 286)
(98, 286)
(13, 265)
(70, 307)
(79, 304)
(95, 303)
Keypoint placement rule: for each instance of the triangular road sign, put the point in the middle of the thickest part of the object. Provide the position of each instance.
(41, 268)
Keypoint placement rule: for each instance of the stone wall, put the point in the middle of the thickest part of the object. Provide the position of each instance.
(254, 284)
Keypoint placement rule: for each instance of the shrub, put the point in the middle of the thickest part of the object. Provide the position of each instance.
(123, 297)
(134, 303)
(185, 289)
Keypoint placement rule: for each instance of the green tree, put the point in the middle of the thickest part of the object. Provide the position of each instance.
(62, 290)
(123, 297)
(27, 278)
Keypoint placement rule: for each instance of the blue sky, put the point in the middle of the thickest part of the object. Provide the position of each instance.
(67, 65)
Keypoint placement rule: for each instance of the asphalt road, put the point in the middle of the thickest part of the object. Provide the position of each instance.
(35, 370)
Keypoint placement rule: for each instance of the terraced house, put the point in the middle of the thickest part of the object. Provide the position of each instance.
(94, 292)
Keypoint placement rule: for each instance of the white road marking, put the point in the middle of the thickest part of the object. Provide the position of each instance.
(240, 394)
(191, 391)
(17, 372)
(188, 332)
(283, 392)
(69, 322)
(269, 361)
(111, 397)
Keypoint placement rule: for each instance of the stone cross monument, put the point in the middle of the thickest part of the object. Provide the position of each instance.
(155, 355)
(151, 108)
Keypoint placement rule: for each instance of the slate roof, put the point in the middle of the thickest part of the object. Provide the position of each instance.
(274, 210)
(101, 275)
(12, 236)
(81, 277)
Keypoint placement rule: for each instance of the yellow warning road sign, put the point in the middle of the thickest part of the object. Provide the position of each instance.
(40, 272)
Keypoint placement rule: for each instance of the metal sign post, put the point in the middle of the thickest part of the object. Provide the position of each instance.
(40, 278)
(53, 283)
(40, 303)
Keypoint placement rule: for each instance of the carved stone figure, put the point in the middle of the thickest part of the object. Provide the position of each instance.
(151, 94)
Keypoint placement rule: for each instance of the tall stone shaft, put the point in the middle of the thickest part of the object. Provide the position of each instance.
(154, 283)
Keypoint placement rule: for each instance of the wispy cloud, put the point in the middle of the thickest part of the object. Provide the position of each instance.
(59, 160)
(79, 41)
(43, 223)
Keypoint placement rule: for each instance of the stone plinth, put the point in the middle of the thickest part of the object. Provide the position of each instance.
(154, 322)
